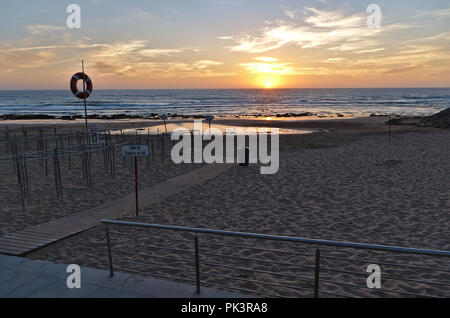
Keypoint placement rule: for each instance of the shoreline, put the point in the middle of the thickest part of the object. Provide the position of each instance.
(262, 121)
(156, 116)
(354, 125)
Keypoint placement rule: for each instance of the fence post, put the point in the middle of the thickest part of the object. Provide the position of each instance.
(197, 264)
(317, 274)
(108, 243)
(20, 181)
(25, 173)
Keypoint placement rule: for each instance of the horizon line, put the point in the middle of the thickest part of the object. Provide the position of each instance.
(249, 88)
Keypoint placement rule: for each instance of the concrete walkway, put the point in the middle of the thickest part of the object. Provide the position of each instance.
(33, 237)
(21, 277)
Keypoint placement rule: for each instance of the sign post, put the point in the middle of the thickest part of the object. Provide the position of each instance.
(209, 119)
(135, 151)
(164, 117)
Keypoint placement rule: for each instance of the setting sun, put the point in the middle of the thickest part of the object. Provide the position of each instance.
(268, 81)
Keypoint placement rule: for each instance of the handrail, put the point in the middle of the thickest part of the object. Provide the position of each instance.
(287, 238)
(314, 271)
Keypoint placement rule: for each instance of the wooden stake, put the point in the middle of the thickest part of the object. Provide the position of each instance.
(136, 184)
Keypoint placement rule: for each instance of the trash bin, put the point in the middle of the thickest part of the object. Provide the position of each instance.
(243, 156)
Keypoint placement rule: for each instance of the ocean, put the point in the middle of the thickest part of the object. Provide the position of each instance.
(231, 102)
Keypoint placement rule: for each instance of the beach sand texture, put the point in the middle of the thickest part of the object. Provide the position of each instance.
(42, 205)
(348, 185)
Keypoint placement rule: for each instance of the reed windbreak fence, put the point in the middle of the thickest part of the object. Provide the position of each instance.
(53, 153)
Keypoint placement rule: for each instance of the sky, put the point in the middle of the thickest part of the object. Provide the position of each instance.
(177, 44)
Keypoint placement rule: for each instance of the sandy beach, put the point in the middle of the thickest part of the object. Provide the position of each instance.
(346, 182)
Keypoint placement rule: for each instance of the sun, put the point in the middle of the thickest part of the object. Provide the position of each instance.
(267, 81)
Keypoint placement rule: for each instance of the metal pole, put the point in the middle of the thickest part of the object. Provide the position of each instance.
(84, 98)
(19, 181)
(70, 149)
(136, 184)
(389, 128)
(25, 171)
(197, 264)
(317, 274)
(55, 171)
(108, 243)
(46, 162)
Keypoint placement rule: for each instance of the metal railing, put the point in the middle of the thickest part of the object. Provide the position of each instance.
(311, 267)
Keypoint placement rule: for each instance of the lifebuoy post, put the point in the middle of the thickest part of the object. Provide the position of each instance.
(87, 90)
(84, 98)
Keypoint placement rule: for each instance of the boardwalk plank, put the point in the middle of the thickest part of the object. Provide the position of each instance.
(37, 236)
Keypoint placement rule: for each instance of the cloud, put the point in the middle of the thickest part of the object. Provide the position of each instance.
(320, 28)
(43, 29)
(335, 59)
(403, 69)
(136, 58)
(371, 51)
(269, 65)
(121, 48)
(266, 59)
(444, 13)
(162, 69)
(125, 58)
(52, 47)
(437, 37)
(205, 64)
(289, 12)
(159, 52)
(334, 19)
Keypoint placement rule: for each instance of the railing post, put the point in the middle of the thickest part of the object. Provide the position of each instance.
(111, 270)
(317, 273)
(197, 263)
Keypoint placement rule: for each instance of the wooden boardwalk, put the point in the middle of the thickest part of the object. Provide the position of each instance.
(34, 237)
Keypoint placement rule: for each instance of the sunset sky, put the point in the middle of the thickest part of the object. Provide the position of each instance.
(225, 44)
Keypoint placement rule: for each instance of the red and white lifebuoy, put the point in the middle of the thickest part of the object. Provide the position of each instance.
(73, 85)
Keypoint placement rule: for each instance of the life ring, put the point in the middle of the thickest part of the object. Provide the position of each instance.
(73, 85)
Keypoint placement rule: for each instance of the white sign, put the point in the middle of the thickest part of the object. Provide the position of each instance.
(209, 118)
(93, 127)
(135, 151)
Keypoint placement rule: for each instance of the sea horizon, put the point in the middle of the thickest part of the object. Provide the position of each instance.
(241, 88)
(349, 102)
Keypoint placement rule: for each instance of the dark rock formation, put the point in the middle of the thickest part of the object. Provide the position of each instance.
(439, 120)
